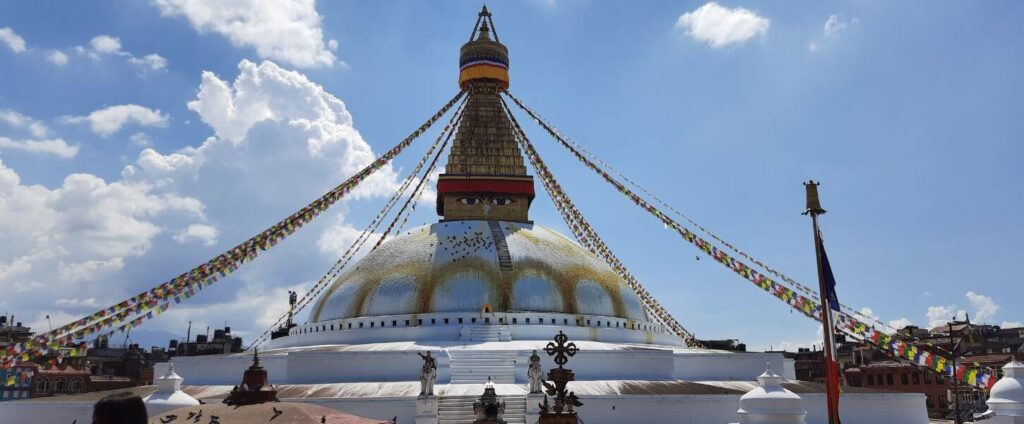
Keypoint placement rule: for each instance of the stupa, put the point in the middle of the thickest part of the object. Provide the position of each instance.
(481, 290)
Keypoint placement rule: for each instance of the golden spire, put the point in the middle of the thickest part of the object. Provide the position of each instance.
(485, 178)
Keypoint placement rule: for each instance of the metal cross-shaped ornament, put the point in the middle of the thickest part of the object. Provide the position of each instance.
(561, 350)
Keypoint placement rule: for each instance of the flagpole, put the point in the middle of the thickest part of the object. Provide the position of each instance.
(831, 368)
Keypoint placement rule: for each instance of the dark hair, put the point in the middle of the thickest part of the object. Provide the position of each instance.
(120, 408)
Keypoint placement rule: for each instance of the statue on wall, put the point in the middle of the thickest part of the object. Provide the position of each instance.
(427, 374)
(535, 374)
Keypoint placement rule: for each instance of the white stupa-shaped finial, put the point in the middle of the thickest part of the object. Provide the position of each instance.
(170, 382)
(168, 394)
(769, 402)
(1006, 399)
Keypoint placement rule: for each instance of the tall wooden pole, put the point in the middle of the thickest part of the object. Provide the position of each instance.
(831, 368)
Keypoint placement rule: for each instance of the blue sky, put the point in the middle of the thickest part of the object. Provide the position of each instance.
(140, 138)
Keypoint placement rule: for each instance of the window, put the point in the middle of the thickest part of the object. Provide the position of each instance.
(903, 379)
(419, 322)
(382, 324)
(527, 320)
(433, 321)
(406, 323)
(332, 327)
(889, 379)
(501, 320)
(460, 320)
(446, 320)
(350, 326)
(360, 325)
(394, 323)
(565, 321)
(917, 378)
(871, 379)
(487, 320)
(515, 320)
(473, 320)
(927, 379)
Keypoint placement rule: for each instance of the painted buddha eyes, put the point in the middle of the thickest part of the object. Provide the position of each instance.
(500, 201)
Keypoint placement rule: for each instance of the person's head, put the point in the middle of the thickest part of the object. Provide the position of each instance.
(120, 408)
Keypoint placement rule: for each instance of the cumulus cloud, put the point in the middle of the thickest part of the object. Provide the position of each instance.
(88, 270)
(57, 146)
(938, 316)
(18, 121)
(34, 128)
(106, 45)
(720, 26)
(12, 40)
(82, 231)
(108, 121)
(203, 233)
(1011, 324)
(276, 141)
(984, 306)
(284, 30)
(900, 323)
(57, 57)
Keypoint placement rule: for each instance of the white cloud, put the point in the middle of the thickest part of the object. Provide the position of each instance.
(900, 323)
(1011, 324)
(152, 61)
(140, 139)
(277, 141)
(109, 120)
(18, 121)
(332, 44)
(870, 314)
(938, 316)
(284, 30)
(720, 26)
(88, 270)
(57, 57)
(56, 146)
(106, 45)
(78, 233)
(198, 232)
(75, 302)
(984, 306)
(13, 40)
(833, 26)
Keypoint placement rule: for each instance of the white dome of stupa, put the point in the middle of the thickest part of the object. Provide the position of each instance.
(459, 266)
(168, 394)
(770, 402)
(1007, 396)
